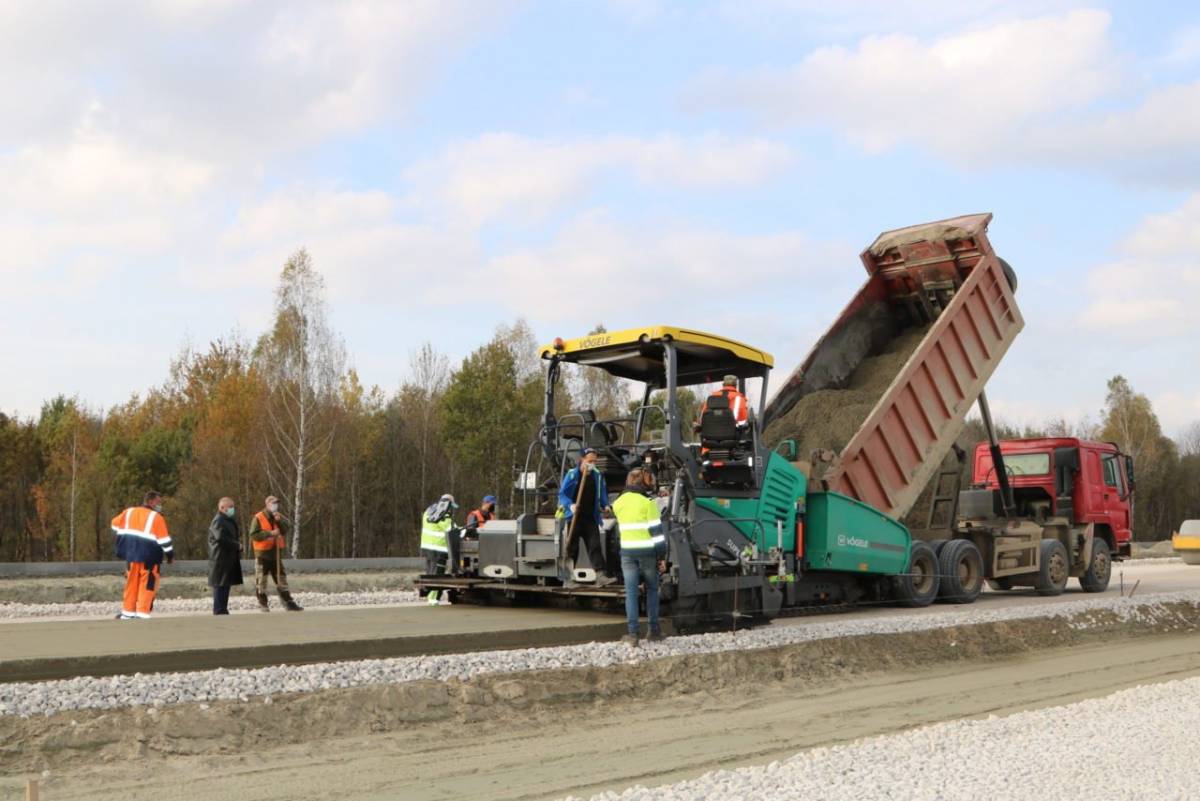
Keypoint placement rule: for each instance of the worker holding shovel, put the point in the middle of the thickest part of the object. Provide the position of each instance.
(583, 498)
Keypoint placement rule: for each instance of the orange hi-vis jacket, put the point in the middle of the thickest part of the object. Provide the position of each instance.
(267, 525)
(142, 536)
(737, 404)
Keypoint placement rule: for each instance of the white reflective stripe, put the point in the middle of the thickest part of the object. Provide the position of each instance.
(149, 521)
(658, 539)
(426, 546)
(139, 535)
(165, 542)
(128, 514)
(637, 545)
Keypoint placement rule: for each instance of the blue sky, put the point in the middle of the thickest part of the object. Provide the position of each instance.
(454, 165)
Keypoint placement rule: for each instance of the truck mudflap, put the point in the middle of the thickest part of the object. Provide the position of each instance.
(943, 277)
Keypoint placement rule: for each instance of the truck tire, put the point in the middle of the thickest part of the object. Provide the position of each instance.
(918, 586)
(1095, 578)
(1010, 274)
(937, 545)
(1055, 570)
(961, 568)
(1005, 583)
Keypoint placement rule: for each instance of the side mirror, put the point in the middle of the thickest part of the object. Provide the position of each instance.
(787, 449)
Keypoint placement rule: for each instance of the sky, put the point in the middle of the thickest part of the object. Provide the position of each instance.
(454, 165)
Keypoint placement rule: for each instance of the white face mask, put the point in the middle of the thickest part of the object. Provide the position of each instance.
(273, 507)
(158, 508)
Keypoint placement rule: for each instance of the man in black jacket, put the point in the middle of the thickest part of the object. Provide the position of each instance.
(224, 555)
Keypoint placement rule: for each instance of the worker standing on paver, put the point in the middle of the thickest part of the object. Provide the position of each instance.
(737, 402)
(643, 548)
(143, 542)
(224, 555)
(477, 517)
(584, 487)
(437, 524)
(267, 538)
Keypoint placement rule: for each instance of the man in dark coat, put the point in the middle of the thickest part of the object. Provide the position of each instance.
(224, 555)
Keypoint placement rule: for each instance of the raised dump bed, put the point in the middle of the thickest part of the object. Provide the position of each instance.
(886, 391)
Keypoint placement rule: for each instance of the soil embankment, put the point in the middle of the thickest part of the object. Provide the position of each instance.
(536, 735)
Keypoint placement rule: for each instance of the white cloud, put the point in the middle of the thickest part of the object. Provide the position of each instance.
(507, 175)
(358, 240)
(962, 95)
(655, 270)
(1154, 140)
(224, 81)
(1149, 293)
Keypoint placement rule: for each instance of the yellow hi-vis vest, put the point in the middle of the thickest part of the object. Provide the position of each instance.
(433, 535)
(639, 522)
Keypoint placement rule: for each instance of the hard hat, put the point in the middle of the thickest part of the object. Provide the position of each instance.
(489, 499)
(448, 498)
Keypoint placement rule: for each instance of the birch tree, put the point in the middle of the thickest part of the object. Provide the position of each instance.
(302, 360)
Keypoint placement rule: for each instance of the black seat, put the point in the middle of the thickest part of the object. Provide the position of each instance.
(725, 447)
(718, 429)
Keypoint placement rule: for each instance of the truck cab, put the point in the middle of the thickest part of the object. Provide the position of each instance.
(1085, 482)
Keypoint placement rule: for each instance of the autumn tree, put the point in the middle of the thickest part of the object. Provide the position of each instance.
(490, 412)
(301, 360)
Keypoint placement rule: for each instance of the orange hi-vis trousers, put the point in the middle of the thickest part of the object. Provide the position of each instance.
(141, 585)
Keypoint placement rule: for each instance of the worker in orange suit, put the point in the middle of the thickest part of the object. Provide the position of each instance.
(737, 402)
(143, 542)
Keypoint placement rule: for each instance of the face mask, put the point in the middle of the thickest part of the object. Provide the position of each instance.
(273, 507)
(158, 508)
(229, 511)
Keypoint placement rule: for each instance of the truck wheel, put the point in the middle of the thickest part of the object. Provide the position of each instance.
(918, 586)
(1095, 579)
(1056, 568)
(961, 568)
(937, 545)
(1005, 583)
(1010, 274)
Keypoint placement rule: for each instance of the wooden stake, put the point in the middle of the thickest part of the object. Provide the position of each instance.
(31, 790)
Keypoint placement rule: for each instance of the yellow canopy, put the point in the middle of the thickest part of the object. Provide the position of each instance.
(637, 353)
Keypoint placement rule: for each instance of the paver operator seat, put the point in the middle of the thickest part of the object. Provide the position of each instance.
(725, 446)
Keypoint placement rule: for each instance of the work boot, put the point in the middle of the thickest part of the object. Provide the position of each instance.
(605, 580)
(656, 636)
(631, 640)
(289, 604)
(264, 603)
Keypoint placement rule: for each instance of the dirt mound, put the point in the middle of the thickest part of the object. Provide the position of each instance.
(829, 418)
(516, 700)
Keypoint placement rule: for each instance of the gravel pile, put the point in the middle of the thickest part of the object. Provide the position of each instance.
(314, 600)
(1135, 744)
(30, 698)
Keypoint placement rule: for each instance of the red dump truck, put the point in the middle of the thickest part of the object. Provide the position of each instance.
(1008, 528)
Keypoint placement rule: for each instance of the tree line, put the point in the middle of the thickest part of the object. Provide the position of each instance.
(286, 415)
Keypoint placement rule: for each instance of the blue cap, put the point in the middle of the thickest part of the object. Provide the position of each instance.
(489, 498)
(586, 451)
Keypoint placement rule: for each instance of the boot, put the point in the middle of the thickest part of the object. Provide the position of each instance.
(288, 603)
(264, 605)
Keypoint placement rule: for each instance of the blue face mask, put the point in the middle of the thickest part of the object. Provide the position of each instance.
(229, 511)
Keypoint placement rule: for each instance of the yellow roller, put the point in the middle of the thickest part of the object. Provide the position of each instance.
(1186, 542)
